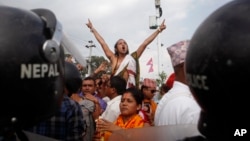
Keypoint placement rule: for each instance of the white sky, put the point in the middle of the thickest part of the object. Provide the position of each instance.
(127, 19)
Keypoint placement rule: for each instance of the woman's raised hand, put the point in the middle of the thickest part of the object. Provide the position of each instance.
(89, 24)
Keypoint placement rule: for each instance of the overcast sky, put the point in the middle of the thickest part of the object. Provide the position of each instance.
(127, 19)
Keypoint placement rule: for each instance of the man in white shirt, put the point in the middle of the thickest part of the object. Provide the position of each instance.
(114, 89)
(178, 106)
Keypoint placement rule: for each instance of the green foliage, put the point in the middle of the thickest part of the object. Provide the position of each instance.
(162, 78)
(95, 63)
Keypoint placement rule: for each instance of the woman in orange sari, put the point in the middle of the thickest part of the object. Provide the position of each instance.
(131, 103)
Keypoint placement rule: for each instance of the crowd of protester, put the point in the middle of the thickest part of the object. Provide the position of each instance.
(110, 90)
(71, 108)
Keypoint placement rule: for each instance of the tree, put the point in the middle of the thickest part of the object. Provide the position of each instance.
(95, 63)
(162, 78)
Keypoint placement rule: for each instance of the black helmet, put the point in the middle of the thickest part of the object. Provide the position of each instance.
(218, 69)
(73, 80)
(32, 66)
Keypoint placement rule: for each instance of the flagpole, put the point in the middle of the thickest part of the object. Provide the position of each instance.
(158, 15)
(159, 49)
(154, 23)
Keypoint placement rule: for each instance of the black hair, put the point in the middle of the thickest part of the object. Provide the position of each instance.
(89, 78)
(143, 87)
(73, 80)
(136, 93)
(164, 87)
(115, 47)
(119, 83)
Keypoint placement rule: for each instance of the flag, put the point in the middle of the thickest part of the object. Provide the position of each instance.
(150, 64)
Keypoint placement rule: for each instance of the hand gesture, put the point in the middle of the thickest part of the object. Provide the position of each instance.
(102, 67)
(89, 24)
(105, 125)
(91, 97)
(162, 26)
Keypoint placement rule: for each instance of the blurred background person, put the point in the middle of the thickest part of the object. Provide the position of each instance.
(149, 106)
(177, 106)
(115, 87)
